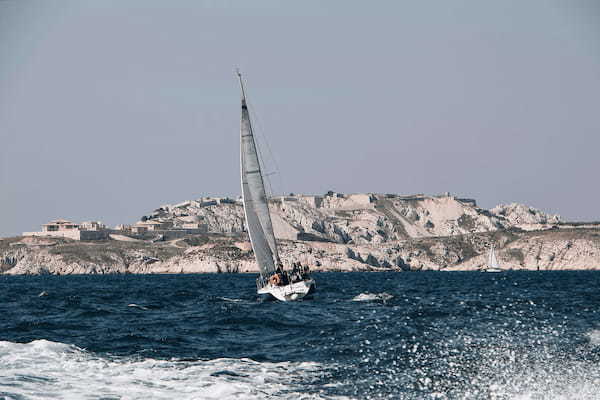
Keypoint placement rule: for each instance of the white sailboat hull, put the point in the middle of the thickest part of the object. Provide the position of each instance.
(291, 292)
(493, 270)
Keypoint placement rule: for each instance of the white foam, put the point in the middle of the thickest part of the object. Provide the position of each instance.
(45, 369)
(373, 297)
(594, 337)
(500, 366)
(510, 372)
(137, 306)
(230, 300)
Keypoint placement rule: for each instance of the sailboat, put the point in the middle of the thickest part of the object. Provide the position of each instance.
(273, 280)
(492, 262)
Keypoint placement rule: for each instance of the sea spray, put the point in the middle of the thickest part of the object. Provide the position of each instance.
(426, 335)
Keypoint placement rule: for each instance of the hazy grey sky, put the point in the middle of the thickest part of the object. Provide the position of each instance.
(109, 109)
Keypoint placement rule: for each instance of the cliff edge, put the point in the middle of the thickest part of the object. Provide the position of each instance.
(334, 232)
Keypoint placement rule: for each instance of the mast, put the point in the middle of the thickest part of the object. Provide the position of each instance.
(256, 207)
(237, 71)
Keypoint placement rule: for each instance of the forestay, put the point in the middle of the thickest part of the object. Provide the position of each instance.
(258, 219)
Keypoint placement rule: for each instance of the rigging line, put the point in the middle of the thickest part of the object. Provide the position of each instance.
(258, 150)
(264, 137)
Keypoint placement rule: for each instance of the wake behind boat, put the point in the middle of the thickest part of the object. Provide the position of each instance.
(273, 280)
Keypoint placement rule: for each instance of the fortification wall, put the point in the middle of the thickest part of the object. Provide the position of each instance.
(71, 234)
(94, 235)
(312, 201)
(349, 201)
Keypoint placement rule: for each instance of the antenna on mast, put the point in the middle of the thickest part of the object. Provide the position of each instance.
(239, 74)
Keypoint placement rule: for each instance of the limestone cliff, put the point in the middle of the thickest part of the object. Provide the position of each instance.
(334, 232)
(362, 218)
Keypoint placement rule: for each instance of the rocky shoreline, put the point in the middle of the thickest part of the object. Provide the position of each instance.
(335, 232)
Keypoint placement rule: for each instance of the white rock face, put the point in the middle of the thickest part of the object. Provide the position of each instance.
(364, 218)
(333, 233)
(524, 217)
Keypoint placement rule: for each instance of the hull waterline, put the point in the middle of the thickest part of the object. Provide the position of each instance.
(292, 292)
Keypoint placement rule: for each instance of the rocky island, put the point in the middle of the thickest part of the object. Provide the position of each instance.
(332, 232)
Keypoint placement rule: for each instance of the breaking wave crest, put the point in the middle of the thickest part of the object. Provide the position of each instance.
(594, 337)
(498, 366)
(468, 336)
(373, 297)
(45, 369)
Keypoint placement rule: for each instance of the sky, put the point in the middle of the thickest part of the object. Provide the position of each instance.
(109, 109)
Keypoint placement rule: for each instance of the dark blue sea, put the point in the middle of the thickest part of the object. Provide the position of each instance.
(423, 335)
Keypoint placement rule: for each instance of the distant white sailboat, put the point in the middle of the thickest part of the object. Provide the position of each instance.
(492, 262)
(273, 280)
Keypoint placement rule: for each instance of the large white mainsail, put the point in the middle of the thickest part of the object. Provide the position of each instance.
(256, 207)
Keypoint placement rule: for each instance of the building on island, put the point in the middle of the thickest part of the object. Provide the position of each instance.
(96, 230)
(59, 225)
(89, 230)
(167, 228)
(195, 225)
(92, 226)
(150, 225)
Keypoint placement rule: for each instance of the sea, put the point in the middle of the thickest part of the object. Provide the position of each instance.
(371, 335)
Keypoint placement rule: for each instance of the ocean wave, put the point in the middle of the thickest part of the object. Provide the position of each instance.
(594, 337)
(373, 297)
(227, 299)
(45, 369)
(537, 373)
(138, 306)
(498, 366)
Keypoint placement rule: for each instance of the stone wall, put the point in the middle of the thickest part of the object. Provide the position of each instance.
(94, 235)
(70, 234)
(73, 234)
